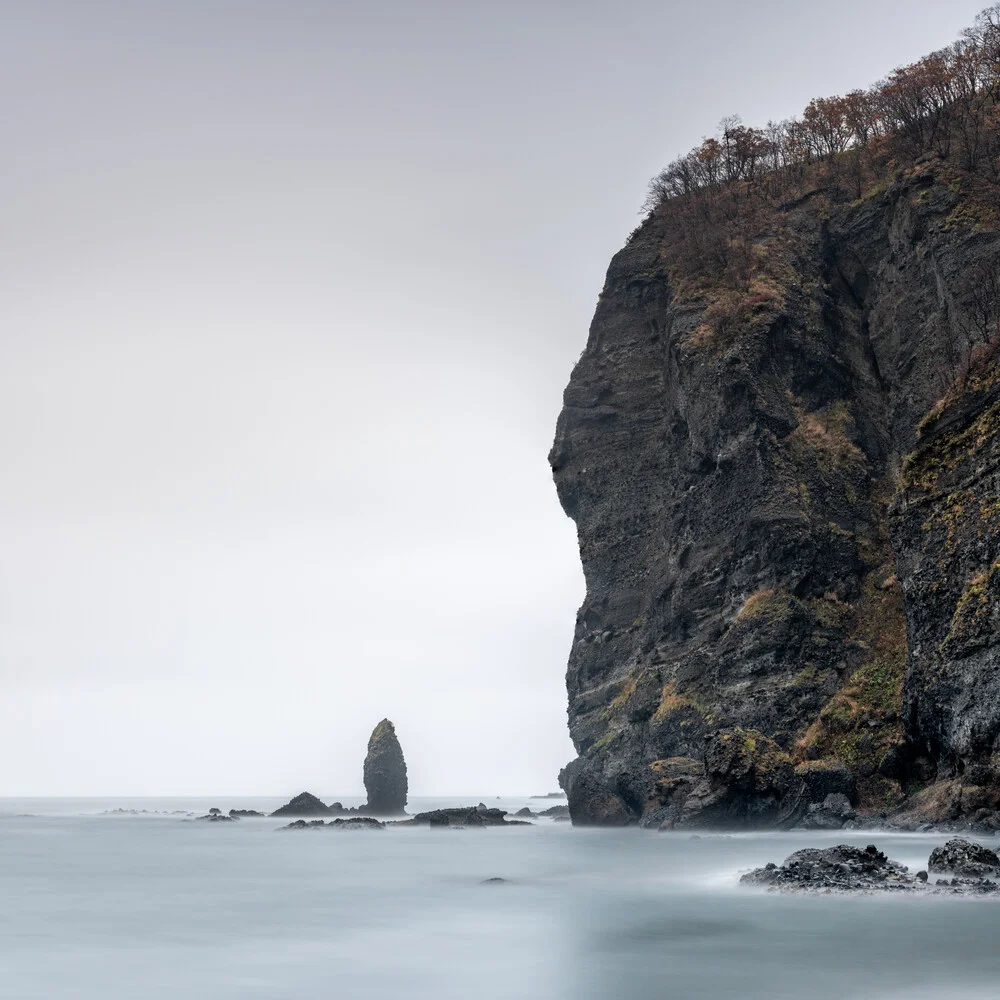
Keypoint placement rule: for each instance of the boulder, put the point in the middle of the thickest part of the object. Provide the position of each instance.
(463, 816)
(385, 772)
(835, 868)
(962, 857)
(830, 814)
(304, 804)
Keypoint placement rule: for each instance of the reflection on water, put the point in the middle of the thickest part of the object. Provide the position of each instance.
(157, 906)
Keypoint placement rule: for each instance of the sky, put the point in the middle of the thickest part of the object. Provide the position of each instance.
(289, 295)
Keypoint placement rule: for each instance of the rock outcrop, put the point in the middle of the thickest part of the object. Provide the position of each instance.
(463, 816)
(304, 804)
(852, 869)
(353, 823)
(962, 857)
(788, 509)
(385, 772)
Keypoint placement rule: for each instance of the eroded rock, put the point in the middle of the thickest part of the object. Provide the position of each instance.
(965, 858)
(385, 772)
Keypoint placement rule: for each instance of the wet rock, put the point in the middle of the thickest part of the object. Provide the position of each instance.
(385, 772)
(494, 881)
(216, 816)
(464, 816)
(556, 812)
(843, 868)
(356, 823)
(240, 813)
(962, 857)
(304, 804)
(525, 813)
(353, 823)
(214, 812)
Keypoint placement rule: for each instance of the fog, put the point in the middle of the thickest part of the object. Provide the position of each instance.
(290, 292)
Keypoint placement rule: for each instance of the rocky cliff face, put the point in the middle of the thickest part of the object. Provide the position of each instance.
(788, 523)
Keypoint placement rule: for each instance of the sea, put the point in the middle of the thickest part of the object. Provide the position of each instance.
(114, 898)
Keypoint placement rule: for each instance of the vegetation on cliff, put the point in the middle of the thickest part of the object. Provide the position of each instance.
(779, 448)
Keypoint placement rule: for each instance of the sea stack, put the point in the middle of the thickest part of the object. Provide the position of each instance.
(385, 772)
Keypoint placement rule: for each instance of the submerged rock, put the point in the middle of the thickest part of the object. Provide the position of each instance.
(962, 857)
(304, 804)
(385, 772)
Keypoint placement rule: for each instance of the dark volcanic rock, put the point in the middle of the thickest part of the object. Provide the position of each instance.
(830, 814)
(464, 816)
(555, 812)
(353, 823)
(843, 868)
(962, 857)
(385, 772)
(304, 804)
(852, 869)
(788, 513)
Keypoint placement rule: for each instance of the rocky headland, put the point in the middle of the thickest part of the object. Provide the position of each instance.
(781, 451)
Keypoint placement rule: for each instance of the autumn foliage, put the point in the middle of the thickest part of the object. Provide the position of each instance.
(720, 197)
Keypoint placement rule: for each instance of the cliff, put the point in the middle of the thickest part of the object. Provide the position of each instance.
(787, 502)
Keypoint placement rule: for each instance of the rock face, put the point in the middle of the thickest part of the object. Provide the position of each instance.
(385, 772)
(789, 524)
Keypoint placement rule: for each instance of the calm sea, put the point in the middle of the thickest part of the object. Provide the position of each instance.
(100, 906)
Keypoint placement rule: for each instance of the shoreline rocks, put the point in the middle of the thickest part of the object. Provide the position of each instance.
(463, 817)
(848, 869)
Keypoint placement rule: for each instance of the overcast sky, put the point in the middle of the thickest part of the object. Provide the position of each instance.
(290, 292)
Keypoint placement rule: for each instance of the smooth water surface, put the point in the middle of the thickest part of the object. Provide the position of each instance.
(160, 906)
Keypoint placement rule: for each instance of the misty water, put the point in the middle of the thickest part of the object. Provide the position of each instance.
(157, 906)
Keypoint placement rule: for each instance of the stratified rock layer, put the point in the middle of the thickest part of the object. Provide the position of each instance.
(774, 549)
(385, 772)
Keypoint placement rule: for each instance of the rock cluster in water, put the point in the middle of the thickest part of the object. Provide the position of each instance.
(854, 869)
(464, 816)
(385, 772)
(353, 823)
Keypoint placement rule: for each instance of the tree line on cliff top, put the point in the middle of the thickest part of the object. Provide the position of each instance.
(719, 204)
(946, 103)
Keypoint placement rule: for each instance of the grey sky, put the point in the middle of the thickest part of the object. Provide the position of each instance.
(290, 292)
